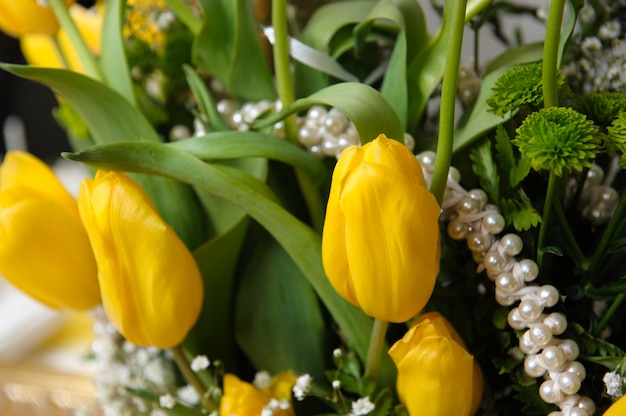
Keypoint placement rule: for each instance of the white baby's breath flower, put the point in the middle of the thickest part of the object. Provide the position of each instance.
(188, 395)
(610, 30)
(614, 383)
(362, 406)
(262, 379)
(302, 386)
(336, 384)
(167, 401)
(200, 362)
(337, 353)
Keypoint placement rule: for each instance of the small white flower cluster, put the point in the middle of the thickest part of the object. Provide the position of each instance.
(614, 384)
(473, 219)
(362, 406)
(302, 386)
(199, 363)
(275, 405)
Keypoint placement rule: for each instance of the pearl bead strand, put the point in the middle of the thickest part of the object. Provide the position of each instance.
(479, 223)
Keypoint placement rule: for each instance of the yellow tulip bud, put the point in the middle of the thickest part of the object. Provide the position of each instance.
(436, 374)
(244, 399)
(45, 251)
(41, 50)
(618, 408)
(380, 245)
(18, 18)
(151, 287)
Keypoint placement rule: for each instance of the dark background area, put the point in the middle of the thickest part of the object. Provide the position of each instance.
(31, 102)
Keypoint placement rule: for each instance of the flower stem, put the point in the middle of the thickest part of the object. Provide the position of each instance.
(192, 378)
(448, 100)
(603, 292)
(551, 53)
(377, 342)
(84, 55)
(286, 95)
(545, 217)
(579, 257)
(609, 313)
(474, 7)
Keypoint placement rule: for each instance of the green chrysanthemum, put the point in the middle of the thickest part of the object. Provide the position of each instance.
(558, 139)
(602, 107)
(520, 85)
(616, 137)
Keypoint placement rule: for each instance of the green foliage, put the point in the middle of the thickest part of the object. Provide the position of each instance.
(558, 139)
(615, 140)
(601, 107)
(515, 169)
(520, 213)
(71, 120)
(486, 169)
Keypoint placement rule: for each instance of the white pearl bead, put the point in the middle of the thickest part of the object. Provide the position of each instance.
(577, 368)
(540, 334)
(316, 150)
(557, 322)
(329, 145)
(493, 223)
(568, 383)
(454, 174)
(556, 414)
(570, 349)
(494, 262)
(527, 345)
(479, 195)
(477, 256)
(587, 404)
(511, 244)
(529, 310)
(553, 357)
(225, 107)
(427, 160)
(316, 112)
(514, 320)
(457, 230)
(532, 366)
(507, 283)
(549, 392)
(577, 411)
(335, 121)
(409, 141)
(179, 132)
(309, 136)
(595, 175)
(503, 299)
(478, 243)
(468, 206)
(549, 295)
(529, 270)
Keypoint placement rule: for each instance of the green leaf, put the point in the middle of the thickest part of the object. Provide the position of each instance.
(205, 100)
(370, 112)
(113, 56)
(486, 169)
(301, 243)
(516, 170)
(234, 145)
(228, 48)
(278, 321)
(520, 213)
(111, 118)
(523, 54)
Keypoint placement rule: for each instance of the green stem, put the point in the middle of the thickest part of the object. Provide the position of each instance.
(609, 313)
(603, 292)
(185, 15)
(57, 46)
(545, 217)
(448, 101)
(377, 342)
(286, 95)
(551, 53)
(192, 378)
(606, 240)
(579, 257)
(84, 55)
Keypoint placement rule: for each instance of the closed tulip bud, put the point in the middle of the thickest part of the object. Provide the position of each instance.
(151, 287)
(45, 251)
(41, 50)
(436, 374)
(380, 245)
(244, 399)
(18, 18)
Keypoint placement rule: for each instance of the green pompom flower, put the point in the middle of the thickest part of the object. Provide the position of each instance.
(615, 140)
(520, 85)
(602, 107)
(558, 139)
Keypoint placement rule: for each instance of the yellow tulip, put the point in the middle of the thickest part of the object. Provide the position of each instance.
(45, 251)
(380, 245)
(436, 374)
(41, 50)
(151, 287)
(618, 408)
(18, 18)
(243, 399)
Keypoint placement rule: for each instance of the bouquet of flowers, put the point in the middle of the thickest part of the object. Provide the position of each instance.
(317, 208)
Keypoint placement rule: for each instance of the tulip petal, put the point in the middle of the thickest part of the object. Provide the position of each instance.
(46, 253)
(18, 18)
(151, 286)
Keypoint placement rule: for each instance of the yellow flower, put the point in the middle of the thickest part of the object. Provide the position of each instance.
(18, 18)
(45, 251)
(40, 49)
(244, 399)
(618, 408)
(380, 245)
(151, 286)
(436, 374)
